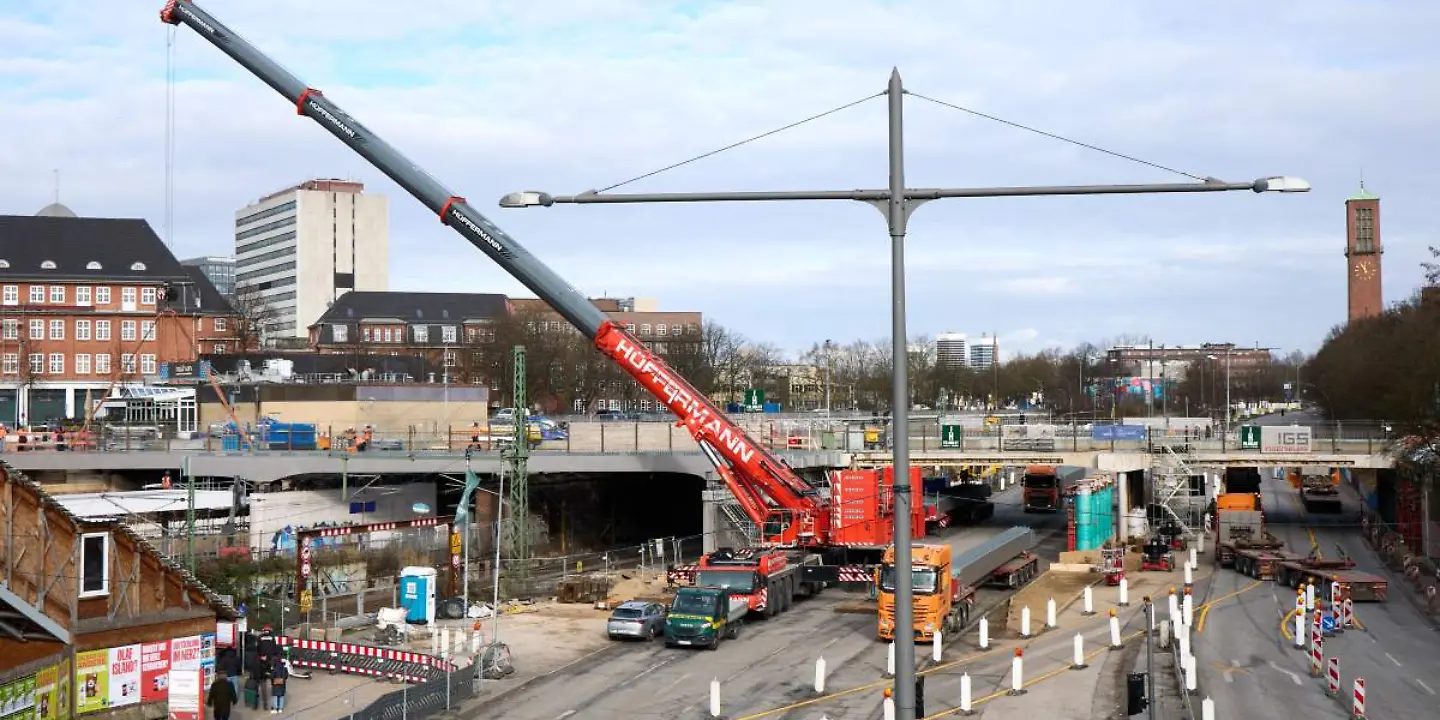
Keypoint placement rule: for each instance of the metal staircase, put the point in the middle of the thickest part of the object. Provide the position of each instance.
(1170, 474)
(736, 529)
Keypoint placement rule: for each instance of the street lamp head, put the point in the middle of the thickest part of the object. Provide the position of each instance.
(1281, 183)
(527, 198)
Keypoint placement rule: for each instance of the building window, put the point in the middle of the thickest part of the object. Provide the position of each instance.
(11, 295)
(102, 364)
(422, 334)
(220, 348)
(127, 330)
(220, 324)
(37, 364)
(82, 364)
(11, 329)
(630, 327)
(1364, 230)
(37, 329)
(94, 564)
(102, 330)
(645, 328)
(57, 329)
(447, 334)
(127, 362)
(366, 334)
(10, 364)
(339, 333)
(57, 294)
(147, 330)
(82, 329)
(37, 294)
(127, 298)
(82, 294)
(102, 295)
(57, 364)
(449, 358)
(660, 329)
(147, 365)
(147, 296)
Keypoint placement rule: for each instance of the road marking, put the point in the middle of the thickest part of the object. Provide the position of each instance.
(1422, 684)
(1229, 671)
(1205, 609)
(832, 642)
(650, 669)
(1292, 675)
(565, 714)
(1392, 659)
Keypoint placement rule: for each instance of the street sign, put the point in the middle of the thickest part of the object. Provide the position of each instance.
(950, 437)
(1327, 624)
(1249, 437)
(755, 400)
(307, 601)
(1285, 439)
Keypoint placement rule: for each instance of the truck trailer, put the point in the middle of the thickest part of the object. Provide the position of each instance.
(945, 588)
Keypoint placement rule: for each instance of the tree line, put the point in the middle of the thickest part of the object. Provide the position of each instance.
(564, 373)
(1385, 367)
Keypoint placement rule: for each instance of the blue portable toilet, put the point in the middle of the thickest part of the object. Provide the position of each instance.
(417, 594)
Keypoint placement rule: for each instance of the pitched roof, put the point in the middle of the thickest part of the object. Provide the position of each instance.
(52, 247)
(199, 297)
(415, 307)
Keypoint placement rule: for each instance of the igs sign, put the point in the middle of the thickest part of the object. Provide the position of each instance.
(1282, 439)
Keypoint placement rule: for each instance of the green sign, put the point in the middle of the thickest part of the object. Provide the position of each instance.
(1249, 437)
(755, 400)
(949, 437)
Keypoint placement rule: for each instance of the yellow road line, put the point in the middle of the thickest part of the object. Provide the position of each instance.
(1314, 543)
(1032, 681)
(1289, 618)
(1205, 609)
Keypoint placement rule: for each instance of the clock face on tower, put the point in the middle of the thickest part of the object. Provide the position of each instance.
(1364, 269)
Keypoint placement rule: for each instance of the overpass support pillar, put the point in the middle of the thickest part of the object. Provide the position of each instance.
(709, 525)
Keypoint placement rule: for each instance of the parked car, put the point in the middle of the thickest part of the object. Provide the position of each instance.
(636, 620)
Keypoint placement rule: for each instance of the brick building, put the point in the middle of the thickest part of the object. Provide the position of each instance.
(83, 307)
(91, 610)
(443, 328)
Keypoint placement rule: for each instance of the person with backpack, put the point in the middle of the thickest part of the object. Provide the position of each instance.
(221, 697)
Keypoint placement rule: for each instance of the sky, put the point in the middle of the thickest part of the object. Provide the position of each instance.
(499, 96)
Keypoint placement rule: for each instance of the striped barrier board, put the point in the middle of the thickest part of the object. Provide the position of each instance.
(1357, 702)
(369, 660)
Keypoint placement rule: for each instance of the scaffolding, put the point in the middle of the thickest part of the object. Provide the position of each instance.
(1173, 492)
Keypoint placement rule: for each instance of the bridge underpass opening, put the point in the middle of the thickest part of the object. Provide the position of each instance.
(581, 515)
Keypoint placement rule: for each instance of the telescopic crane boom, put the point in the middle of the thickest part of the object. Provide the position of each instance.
(772, 495)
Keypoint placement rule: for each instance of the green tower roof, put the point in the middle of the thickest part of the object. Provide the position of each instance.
(1362, 194)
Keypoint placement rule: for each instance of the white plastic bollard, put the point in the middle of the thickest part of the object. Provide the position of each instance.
(1050, 620)
(1194, 559)
(1025, 621)
(984, 633)
(1174, 608)
(890, 659)
(1188, 610)
(937, 648)
(1189, 575)
(1184, 638)
(1207, 709)
(889, 709)
(1079, 659)
(1200, 543)
(1309, 598)
(715, 698)
(1017, 673)
(820, 676)
(1299, 631)
(1089, 601)
(475, 641)
(965, 700)
(1191, 681)
(1124, 593)
(1114, 630)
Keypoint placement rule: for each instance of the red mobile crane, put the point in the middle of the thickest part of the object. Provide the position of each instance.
(789, 512)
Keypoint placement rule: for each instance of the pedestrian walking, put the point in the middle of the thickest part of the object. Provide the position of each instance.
(220, 698)
(228, 667)
(260, 676)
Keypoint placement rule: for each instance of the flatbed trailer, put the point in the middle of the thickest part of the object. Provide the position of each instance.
(1356, 585)
(1261, 563)
(1320, 499)
(1015, 572)
(1229, 550)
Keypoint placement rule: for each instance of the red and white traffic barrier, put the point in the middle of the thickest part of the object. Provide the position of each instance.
(1332, 676)
(1357, 704)
(1337, 617)
(1349, 612)
(1317, 654)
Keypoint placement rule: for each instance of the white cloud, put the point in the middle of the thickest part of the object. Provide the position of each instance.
(492, 97)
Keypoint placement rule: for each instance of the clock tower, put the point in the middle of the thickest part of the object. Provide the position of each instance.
(1362, 254)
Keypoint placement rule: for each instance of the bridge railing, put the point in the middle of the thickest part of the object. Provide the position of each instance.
(590, 437)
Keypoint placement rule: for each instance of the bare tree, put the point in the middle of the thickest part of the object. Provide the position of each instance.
(253, 317)
(1432, 269)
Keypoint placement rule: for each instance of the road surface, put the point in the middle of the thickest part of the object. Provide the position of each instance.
(1243, 651)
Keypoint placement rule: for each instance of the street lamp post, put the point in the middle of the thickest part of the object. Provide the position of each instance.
(829, 369)
(897, 202)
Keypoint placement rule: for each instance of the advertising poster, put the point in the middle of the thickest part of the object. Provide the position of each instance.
(185, 653)
(92, 681)
(207, 657)
(124, 676)
(23, 696)
(7, 700)
(45, 693)
(185, 695)
(65, 679)
(154, 671)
